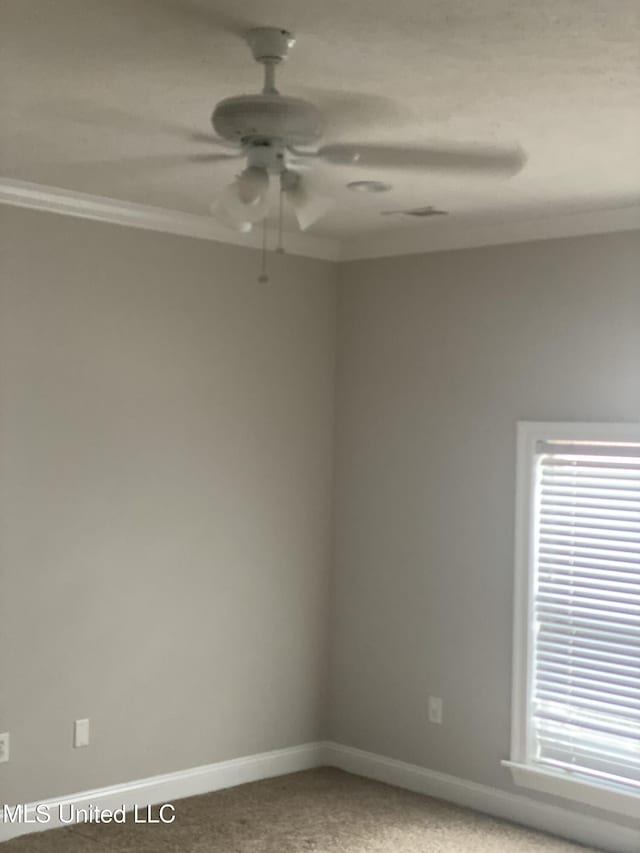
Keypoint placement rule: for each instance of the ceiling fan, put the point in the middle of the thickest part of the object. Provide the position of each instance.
(279, 137)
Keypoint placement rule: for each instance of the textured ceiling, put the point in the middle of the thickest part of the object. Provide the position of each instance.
(89, 86)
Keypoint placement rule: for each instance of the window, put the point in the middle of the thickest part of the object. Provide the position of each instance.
(576, 686)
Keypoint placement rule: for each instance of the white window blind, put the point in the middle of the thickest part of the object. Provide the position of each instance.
(584, 696)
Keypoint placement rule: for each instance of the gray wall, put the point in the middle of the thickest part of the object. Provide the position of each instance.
(165, 501)
(438, 356)
(166, 490)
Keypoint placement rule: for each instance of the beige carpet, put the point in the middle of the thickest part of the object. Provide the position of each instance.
(323, 811)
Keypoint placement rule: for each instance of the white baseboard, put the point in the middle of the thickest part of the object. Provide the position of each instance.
(174, 786)
(580, 828)
(225, 774)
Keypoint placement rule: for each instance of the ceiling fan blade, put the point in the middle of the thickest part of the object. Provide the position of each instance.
(130, 166)
(111, 118)
(213, 158)
(167, 161)
(96, 115)
(212, 139)
(346, 112)
(490, 160)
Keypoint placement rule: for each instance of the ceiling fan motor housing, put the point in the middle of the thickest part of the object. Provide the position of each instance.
(265, 117)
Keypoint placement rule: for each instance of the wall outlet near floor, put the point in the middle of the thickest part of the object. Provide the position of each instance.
(4, 747)
(434, 712)
(81, 733)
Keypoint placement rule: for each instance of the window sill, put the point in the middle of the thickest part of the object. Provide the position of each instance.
(614, 798)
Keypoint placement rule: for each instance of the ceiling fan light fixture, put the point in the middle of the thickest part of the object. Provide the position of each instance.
(252, 185)
(246, 199)
(308, 206)
(228, 221)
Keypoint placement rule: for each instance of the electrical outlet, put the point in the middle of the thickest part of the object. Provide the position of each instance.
(81, 733)
(435, 710)
(4, 747)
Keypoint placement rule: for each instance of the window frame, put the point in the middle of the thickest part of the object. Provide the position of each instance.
(622, 799)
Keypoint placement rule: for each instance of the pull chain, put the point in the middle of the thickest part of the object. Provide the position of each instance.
(264, 277)
(280, 247)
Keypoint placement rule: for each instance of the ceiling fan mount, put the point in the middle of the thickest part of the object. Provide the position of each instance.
(270, 45)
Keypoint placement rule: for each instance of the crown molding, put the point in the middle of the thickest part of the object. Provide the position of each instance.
(443, 236)
(72, 203)
(429, 237)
